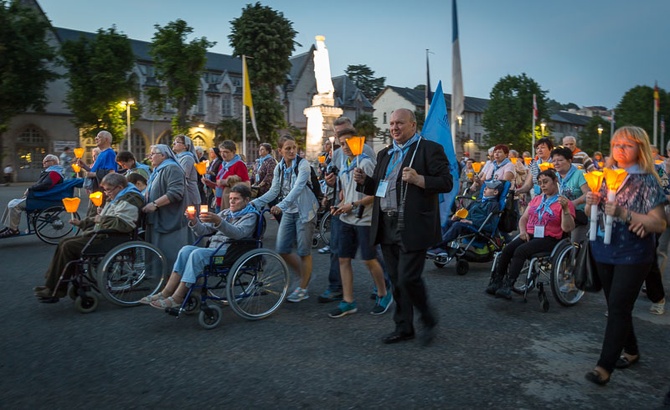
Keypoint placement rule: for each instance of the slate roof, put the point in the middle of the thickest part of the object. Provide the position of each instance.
(570, 118)
(417, 98)
(215, 62)
(347, 93)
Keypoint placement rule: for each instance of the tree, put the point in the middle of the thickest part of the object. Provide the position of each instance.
(365, 125)
(636, 108)
(267, 38)
(179, 66)
(229, 129)
(364, 79)
(98, 73)
(24, 62)
(508, 118)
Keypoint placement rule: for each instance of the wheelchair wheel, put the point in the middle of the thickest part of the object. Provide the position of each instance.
(562, 279)
(87, 303)
(51, 224)
(192, 304)
(131, 271)
(324, 228)
(257, 284)
(210, 317)
(73, 292)
(462, 267)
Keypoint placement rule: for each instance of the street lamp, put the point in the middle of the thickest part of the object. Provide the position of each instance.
(542, 125)
(460, 123)
(127, 104)
(600, 134)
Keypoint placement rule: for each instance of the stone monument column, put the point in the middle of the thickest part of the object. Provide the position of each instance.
(322, 113)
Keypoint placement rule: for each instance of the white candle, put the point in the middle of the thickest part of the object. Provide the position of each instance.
(594, 222)
(611, 197)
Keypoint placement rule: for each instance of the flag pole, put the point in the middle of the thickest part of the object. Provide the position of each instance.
(656, 104)
(244, 110)
(428, 89)
(532, 145)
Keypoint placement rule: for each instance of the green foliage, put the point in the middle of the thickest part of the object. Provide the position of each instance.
(365, 126)
(24, 62)
(295, 132)
(98, 73)
(509, 116)
(588, 140)
(364, 79)
(267, 39)
(179, 66)
(637, 108)
(228, 129)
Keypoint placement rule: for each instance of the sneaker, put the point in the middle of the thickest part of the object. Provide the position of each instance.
(383, 304)
(658, 308)
(343, 309)
(325, 249)
(330, 296)
(373, 293)
(435, 251)
(299, 294)
(567, 288)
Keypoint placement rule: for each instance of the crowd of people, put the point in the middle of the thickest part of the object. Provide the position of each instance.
(385, 208)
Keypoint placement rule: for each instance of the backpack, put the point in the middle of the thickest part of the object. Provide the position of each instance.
(509, 220)
(313, 182)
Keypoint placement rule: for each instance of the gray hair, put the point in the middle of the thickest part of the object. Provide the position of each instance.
(106, 135)
(570, 138)
(51, 157)
(115, 179)
(343, 121)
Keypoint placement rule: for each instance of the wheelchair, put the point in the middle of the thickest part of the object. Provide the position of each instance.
(46, 216)
(476, 246)
(322, 231)
(554, 268)
(252, 280)
(122, 269)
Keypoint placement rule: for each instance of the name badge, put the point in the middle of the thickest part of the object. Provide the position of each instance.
(539, 231)
(382, 188)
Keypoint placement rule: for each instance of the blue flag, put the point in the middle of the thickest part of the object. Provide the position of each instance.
(436, 128)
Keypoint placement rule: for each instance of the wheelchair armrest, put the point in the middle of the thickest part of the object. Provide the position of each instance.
(202, 237)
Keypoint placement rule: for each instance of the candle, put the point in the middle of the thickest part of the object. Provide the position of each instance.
(476, 166)
(76, 168)
(78, 152)
(96, 198)
(190, 210)
(71, 205)
(201, 167)
(594, 180)
(204, 208)
(613, 178)
(322, 159)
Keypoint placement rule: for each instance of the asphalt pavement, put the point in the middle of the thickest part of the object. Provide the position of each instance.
(489, 353)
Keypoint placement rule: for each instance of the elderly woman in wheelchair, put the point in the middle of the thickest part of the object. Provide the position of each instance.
(543, 224)
(238, 222)
(119, 215)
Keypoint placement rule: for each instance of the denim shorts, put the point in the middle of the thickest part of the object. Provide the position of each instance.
(292, 231)
(353, 237)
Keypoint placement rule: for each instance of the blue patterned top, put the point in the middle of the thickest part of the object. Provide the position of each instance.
(640, 193)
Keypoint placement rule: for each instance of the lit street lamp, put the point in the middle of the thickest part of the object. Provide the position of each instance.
(542, 125)
(460, 123)
(127, 104)
(600, 134)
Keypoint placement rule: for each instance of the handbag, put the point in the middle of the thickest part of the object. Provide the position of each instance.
(585, 274)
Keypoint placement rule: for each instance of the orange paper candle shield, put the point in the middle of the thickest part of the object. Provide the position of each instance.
(514, 160)
(71, 204)
(462, 213)
(322, 159)
(477, 166)
(356, 145)
(201, 167)
(78, 152)
(658, 162)
(76, 168)
(96, 198)
(545, 166)
(527, 160)
(594, 180)
(614, 178)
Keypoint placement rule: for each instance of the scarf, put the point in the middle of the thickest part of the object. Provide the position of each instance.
(496, 167)
(57, 169)
(400, 149)
(129, 188)
(225, 166)
(544, 206)
(562, 181)
(229, 215)
(166, 162)
(260, 162)
(348, 165)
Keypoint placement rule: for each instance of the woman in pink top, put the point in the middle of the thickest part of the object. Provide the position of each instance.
(544, 222)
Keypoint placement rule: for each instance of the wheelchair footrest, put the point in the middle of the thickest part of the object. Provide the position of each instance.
(172, 311)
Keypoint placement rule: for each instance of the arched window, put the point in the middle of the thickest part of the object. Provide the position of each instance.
(31, 147)
(198, 141)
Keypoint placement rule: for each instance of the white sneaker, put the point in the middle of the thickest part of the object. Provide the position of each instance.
(325, 249)
(658, 308)
(298, 295)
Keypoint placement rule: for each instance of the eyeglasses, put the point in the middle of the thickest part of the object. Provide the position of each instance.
(155, 153)
(177, 142)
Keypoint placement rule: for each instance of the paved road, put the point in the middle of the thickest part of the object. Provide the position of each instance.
(489, 353)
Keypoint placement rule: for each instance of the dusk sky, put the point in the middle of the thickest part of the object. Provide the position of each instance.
(586, 52)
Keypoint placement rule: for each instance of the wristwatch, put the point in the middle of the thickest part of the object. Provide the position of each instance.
(155, 204)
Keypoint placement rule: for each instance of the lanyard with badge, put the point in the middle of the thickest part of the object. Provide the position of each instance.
(383, 186)
(541, 210)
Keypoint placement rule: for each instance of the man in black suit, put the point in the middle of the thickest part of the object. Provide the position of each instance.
(406, 220)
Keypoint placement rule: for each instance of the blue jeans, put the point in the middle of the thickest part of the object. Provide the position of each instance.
(191, 260)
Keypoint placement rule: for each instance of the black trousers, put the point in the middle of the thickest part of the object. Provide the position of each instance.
(515, 254)
(621, 285)
(405, 270)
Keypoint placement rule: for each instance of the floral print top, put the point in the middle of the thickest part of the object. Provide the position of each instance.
(639, 193)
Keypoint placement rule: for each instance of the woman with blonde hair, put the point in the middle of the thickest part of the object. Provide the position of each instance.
(624, 263)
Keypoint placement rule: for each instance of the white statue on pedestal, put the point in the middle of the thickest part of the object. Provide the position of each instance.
(324, 83)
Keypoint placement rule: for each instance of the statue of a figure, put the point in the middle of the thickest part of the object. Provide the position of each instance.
(324, 82)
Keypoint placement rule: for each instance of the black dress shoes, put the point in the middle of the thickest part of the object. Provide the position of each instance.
(396, 337)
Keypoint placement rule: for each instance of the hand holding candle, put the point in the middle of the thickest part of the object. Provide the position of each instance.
(594, 180)
(190, 210)
(613, 178)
